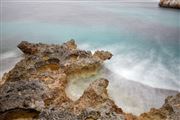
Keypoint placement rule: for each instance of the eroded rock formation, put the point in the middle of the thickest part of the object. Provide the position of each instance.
(170, 3)
(169, 111)
(35, 87)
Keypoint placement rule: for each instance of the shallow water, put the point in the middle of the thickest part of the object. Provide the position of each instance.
(144, 39)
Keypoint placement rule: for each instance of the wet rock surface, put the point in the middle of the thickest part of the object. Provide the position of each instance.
(170, 3)
(35, 87)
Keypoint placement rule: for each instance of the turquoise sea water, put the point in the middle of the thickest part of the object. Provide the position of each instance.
(144, 39)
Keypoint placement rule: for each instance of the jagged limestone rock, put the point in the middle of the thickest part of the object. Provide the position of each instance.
(169, 111)
(35, 88)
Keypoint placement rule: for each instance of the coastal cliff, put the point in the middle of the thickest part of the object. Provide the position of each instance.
(35, 89)
(170, 3)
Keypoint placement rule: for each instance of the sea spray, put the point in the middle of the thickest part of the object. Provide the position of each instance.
(146, 67)
(8, 61)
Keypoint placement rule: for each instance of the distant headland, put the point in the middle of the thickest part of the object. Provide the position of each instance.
(170, 3)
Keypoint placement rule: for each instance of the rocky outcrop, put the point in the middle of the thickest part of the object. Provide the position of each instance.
(170, 3)
(36, 87)
(169, 111)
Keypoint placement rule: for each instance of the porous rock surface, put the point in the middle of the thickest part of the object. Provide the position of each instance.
(170, 3)
(169, 111)
(35, 88)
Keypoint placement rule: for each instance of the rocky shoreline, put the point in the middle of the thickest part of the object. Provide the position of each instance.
(35, 88)
(170, 3)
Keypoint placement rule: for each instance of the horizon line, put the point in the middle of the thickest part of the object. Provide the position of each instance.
(55, 1)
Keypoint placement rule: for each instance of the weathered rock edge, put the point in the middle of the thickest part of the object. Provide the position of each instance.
(35, 88)
(170, 3)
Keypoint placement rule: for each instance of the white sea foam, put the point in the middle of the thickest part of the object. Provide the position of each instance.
(155, 75)
(131, 66)
(8, 61)
(9, 54)
(146, 71)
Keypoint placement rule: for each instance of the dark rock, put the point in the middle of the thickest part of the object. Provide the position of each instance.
(170, 3)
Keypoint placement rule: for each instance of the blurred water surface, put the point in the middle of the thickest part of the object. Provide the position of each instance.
(144, 39)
